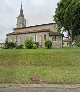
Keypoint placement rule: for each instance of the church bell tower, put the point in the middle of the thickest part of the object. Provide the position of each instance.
(21, 21)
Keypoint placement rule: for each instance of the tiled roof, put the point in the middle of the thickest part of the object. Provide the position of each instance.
(55, 33)
(34, 31)
(35, 26)
(37, 31)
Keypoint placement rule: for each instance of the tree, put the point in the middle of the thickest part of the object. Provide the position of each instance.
(48, 44)
(67, 16)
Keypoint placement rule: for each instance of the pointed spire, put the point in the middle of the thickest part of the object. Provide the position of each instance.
(21, 11)
(21, 5)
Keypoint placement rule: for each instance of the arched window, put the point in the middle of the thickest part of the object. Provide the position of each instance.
(35, 38)
(44, 36)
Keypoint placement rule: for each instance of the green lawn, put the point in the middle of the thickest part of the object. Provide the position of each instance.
(58, 66)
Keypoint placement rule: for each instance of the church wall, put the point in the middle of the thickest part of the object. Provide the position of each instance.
(20, 39)
(11, 38)
(32, 35)
(58, 43)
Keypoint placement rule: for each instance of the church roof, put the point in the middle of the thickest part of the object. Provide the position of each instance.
(28, 32)
(37, 31)
(35, 26)
(21, 11)
(55, 33)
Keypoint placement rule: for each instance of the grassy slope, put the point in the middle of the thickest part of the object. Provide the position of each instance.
(53, 66)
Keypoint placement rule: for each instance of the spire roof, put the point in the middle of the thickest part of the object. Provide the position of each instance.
(21, 11)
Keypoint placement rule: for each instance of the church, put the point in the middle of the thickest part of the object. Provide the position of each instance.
(39, 33)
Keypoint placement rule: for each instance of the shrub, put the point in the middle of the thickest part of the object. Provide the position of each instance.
(29, 43)
(34, 46)
(37, 43)
(48, 44)
(9, 45)
(20, 47)
(6, 45)
(78, 44)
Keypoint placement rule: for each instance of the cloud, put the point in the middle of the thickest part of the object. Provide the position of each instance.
(35, 11)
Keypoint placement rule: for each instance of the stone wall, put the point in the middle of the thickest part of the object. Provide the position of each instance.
(20, 39)
(58, 43)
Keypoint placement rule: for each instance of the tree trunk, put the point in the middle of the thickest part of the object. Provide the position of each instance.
(71, 32)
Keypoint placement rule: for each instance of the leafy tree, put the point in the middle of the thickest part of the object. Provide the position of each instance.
(67, 16)
(48, 44)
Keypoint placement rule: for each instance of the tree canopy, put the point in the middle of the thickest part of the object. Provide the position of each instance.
(67, 16)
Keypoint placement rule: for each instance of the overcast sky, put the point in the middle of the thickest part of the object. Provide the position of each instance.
(35, 11)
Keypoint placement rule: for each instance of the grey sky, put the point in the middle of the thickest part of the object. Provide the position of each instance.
(35, 11)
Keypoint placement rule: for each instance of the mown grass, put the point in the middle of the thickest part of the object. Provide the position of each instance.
(58, 66)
